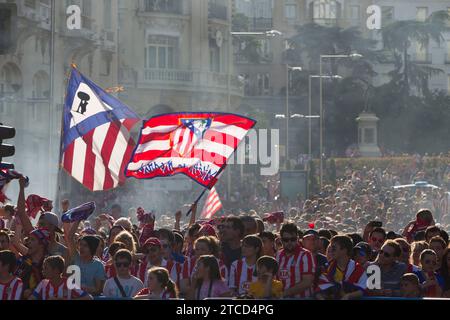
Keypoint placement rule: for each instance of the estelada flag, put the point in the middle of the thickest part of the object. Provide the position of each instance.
(196, 144)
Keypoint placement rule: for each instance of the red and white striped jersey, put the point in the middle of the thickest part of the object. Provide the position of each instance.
(292, 269)
(46, 290)
(189, 265)
(174, 269)
(11, 290)
(241, 275)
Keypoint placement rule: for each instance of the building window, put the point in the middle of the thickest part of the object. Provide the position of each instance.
(422, 14)
(107, 14)
(325, 12)
(387, 15)
(447, 57)
(105, 69)
(421, 53)
(214, 59)
(448, 83)
(160, 52)
(448, 21)
(263, 84)
(355, 15)
(290, 11)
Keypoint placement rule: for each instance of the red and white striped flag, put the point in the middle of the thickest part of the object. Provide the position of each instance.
(197, 144)
(96, 138)
(212, 204)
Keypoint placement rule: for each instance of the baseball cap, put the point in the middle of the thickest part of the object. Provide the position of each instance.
(152, 242)
(52, 219)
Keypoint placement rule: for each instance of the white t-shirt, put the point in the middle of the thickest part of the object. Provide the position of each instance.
(131, 286)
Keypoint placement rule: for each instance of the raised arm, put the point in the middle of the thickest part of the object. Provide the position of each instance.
(69, 236)
(177, 220)
(24, 219)
(193, 214)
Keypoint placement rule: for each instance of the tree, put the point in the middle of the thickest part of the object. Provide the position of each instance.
(398, 37)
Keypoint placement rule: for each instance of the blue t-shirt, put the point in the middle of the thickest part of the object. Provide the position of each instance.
(91, 271)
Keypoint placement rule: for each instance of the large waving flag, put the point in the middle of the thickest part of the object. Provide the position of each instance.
(195, 144)
(96, 134)
(212, 204)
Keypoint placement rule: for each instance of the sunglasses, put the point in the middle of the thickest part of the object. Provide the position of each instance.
(293, 239)
(122, 264)
(433, 262)
(153, 249)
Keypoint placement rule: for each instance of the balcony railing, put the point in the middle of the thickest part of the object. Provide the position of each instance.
(188, 79)
(421, 58)
(326, 21)
(217, 10)
(162, 6)
(241, 58)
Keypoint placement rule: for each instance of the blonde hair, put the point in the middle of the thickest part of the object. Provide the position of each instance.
(126, 238)
(125, 223)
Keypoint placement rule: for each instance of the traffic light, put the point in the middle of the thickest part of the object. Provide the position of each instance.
(6, 150)
(8, 21)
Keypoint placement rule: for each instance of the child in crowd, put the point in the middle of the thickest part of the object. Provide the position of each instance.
(410, 286)
(159, 286)
(10, 286)
(123, 285)
(54, 286)
(266, 287)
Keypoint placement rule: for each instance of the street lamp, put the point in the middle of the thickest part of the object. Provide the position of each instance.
(337, 77)
(269, 33)
(329, 56)
(288, 67)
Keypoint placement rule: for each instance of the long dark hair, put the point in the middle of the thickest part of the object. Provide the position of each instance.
(163, 277)
(210, 262)
(444, 269)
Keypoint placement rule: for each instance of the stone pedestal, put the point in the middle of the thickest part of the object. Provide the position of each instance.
(367, 135)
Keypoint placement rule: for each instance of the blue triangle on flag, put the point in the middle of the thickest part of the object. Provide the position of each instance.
(197, 126)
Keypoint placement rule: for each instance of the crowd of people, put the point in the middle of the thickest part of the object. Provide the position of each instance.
(317, 248)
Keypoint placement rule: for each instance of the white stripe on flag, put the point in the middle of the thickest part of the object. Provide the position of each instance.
(79, 158)
(153, 145)
(118, 152)
(215, 147)
(232, 130)
(186, 143)
(98, 140)
(158, 129)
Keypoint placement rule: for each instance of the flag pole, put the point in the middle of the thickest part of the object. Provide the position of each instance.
(60, 166)
(204, 190)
